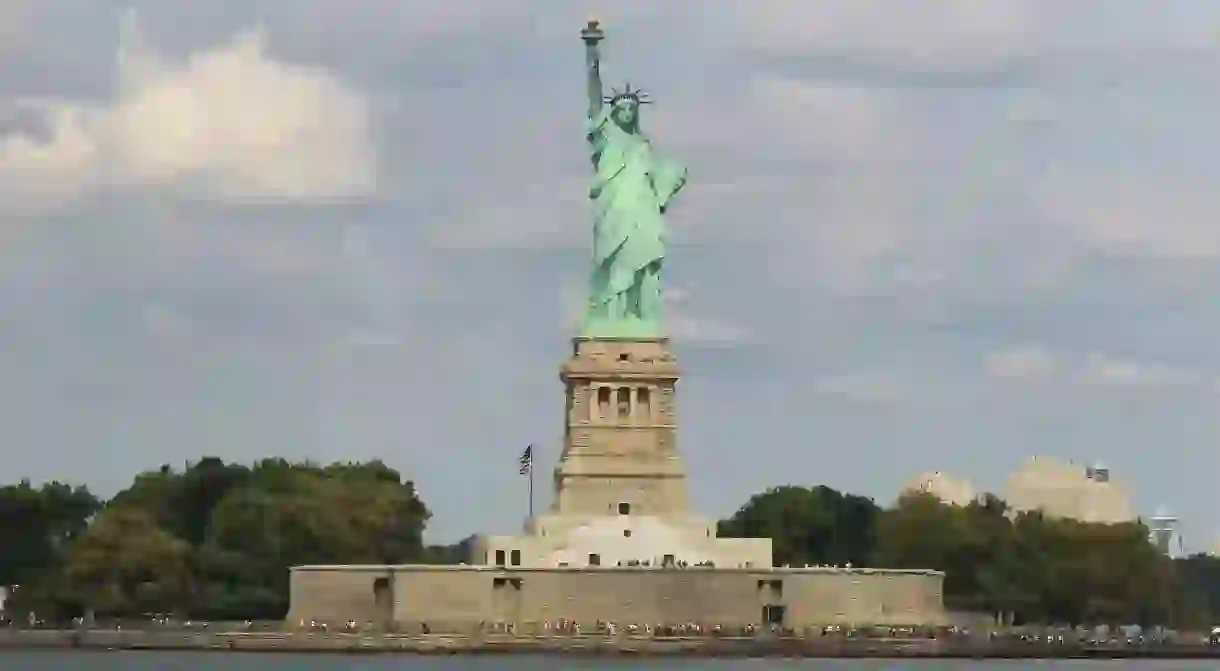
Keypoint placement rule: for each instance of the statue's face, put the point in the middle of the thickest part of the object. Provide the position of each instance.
(626, 112)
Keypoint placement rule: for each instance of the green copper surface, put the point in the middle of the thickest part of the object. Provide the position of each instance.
(632, 189)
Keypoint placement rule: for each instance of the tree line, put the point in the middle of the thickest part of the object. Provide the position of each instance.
(1022, 568)
(214, 540)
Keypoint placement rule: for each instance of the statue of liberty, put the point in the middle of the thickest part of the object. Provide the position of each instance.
(632, 189)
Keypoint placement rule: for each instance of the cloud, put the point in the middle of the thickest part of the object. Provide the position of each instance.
(228, 123)
(13, 18)
(686, 326)
(162, 321)
(537, 213)
(682, 323)
(921, 151)
(1025, 363)
(851, 123)
(1112, 371)
(953, 34)
(1131, 214)
(1034, 364)
(874, 386)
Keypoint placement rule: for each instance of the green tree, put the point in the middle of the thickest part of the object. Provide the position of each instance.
(126, 563)
(287, 515)
(1092, 573)
(455, 553)
(1196, 591)
(921, 531)
(182, 503)
(1028, 567)
(918, 531)
(215, 539)
(38, 525)
(808, 525)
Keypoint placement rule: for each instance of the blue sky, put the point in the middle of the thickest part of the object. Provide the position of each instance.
(917, 237)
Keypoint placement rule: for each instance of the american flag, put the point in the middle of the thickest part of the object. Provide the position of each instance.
(527, 460)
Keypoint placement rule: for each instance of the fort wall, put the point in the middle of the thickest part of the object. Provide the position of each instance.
(462, 598)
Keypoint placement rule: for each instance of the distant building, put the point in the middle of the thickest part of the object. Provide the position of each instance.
(1057, 488)
(947, 488)
(1163, 532)
(1064, 489)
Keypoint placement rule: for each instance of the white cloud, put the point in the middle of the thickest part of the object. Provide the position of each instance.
(838, 158)
(685, 325)
(12, 22)
(1021, 363)
(961, 33)
(850, 123)
(1096, 369)
(1159, 215)
(682, 323)
(1107, 370)
(866, 386)
(163, 321)
(545, 213)
(38, 172)
(228, 123)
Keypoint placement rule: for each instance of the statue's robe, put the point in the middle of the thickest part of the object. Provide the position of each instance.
(631, 190)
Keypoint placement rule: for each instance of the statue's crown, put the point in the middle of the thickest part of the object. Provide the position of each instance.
(628, 93)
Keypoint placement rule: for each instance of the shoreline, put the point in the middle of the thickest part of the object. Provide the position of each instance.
(581, 646)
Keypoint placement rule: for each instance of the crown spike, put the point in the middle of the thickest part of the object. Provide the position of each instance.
(638, 95)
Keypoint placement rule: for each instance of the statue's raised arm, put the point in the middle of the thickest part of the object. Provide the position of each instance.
(592, 34)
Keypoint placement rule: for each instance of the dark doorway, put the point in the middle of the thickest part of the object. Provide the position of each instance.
(383, 601)
(506, 599)
(774, 615)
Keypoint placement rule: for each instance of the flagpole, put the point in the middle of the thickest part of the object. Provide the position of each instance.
(531, 485)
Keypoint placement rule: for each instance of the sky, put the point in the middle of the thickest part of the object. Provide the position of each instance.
(917, 236)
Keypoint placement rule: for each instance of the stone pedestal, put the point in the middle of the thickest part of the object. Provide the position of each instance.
(620, 487)
(620, 451)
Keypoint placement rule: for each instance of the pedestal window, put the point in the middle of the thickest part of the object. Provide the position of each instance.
(603, 403)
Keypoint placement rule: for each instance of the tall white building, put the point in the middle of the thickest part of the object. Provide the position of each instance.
(1163, 532)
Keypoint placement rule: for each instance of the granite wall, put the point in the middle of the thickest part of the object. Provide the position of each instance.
(459, 598)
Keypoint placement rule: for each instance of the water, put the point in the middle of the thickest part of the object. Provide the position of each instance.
(204, 661)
